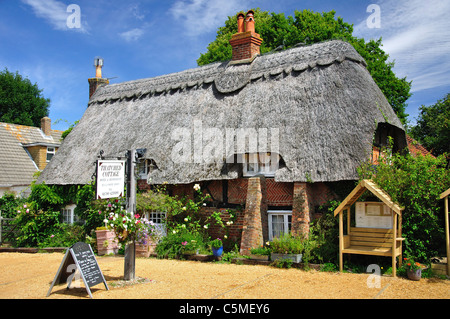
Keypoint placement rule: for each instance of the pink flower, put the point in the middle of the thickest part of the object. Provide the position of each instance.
(136, 216)
(52, 236)
(99, 212)
(184, 243)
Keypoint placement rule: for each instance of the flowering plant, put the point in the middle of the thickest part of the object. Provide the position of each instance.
(216, 243)
(148, 232)
(126, 225)
(411, 265)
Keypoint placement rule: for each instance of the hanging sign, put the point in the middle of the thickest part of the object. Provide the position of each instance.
(79, 257)
(110, 178)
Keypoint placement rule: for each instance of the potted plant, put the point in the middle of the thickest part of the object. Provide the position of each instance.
(217, 247)
(147, 237)
(413, 269)
(260, 253)
(107, 242)
(287, 246)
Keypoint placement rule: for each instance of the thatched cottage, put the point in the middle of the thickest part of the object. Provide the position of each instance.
(312, 113)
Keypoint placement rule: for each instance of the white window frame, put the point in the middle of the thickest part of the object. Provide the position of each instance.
(286, 224)
(260, 163)
(50, 151)
(159, 219)
(144, 168)
(68, 214)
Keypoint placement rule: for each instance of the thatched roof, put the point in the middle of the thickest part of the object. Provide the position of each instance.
(320, 97)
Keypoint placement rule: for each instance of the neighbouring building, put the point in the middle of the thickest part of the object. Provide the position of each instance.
(275, 134)
(25, 150)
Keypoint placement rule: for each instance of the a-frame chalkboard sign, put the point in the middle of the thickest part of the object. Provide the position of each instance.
(79, 257)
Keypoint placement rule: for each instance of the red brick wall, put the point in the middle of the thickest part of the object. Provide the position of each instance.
(263, 192)
(255, 228)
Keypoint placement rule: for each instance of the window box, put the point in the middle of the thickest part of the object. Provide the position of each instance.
(297, 258)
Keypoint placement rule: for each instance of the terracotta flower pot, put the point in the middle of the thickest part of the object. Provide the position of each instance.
(108, 236)
(145, 250)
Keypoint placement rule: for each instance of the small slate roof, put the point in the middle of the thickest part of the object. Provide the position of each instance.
(16, 165)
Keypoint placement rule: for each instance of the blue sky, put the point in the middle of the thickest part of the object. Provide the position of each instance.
(140, 39)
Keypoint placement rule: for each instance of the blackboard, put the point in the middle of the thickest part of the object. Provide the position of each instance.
(79, 257)
(88, 264)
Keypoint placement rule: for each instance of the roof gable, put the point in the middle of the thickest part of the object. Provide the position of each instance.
(368, 185)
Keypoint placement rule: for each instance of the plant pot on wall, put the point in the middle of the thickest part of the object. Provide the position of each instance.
(107, 242)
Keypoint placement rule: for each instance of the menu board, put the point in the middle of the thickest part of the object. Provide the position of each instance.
(79, 257)
(373, 215)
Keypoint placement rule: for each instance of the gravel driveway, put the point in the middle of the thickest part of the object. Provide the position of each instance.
(30, 275)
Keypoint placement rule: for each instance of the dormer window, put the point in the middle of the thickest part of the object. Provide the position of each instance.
(50, 153)
(145, 167)
(261, 164)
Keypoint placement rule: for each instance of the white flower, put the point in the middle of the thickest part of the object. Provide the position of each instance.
(205, 227)
(105, 220)
(184, 226)
(229, 222)
(174, 231)
(184, 208)
(225, 236)
(204, 204)
(186, 219)
(197, 187)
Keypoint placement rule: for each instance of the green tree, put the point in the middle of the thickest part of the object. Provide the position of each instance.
(433, 127)
(21, 102)
(279, 32)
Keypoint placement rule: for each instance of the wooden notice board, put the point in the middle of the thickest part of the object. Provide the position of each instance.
(79, 257)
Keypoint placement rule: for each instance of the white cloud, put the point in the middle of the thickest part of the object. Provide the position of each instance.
(202, 16)
(57, 13)
(416, 36)
(132, 35)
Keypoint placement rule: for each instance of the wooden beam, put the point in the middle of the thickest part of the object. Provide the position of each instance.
(341, 241)
(347, 199)
(394, 247)
(382, 195)
(447, 239)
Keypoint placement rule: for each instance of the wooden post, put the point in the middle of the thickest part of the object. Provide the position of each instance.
(399, 235)
(130, 262)
(394, 246)
(447, 239)
(130, 249)
(341, 240)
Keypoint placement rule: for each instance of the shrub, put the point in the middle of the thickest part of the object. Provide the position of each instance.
(325, 232)
(64, 235)
(263, 250)
(176, 243)
(9, 203)
(35, 225)
(286, 243)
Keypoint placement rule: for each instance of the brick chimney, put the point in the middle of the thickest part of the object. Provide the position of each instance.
(95, 83)
(46, 126)
(246, 42)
